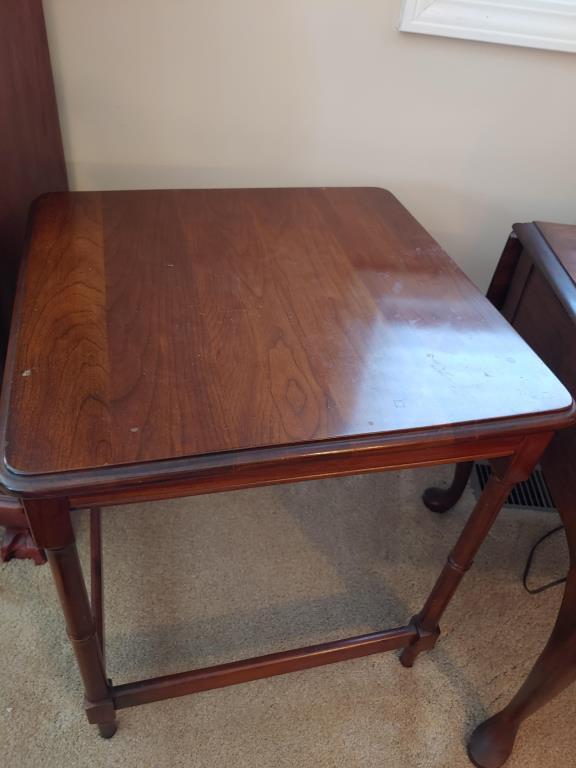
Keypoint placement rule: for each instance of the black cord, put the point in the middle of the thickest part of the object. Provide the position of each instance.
(529, 565)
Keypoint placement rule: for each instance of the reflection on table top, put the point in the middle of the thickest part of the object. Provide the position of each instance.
(164, 324)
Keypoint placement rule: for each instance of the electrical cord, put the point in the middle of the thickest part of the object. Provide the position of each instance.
(537, 590)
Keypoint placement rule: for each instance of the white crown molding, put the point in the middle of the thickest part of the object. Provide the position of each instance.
(549, 24)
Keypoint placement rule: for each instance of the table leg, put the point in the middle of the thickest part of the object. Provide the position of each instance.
(17, 544)
(442, 499)
(505, 476)
(17, 541)
(49, 521)
(96, 585)
(492, 742)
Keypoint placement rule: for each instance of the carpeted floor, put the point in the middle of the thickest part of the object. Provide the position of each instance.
(235, 575)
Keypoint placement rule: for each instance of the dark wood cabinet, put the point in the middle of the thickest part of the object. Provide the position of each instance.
(535, 289)
(31, 154)
(540, 302)
(31, 164)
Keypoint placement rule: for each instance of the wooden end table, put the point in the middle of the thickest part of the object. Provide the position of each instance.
(170, 343)
(534, 287)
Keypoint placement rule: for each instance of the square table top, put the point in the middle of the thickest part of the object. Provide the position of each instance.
(157, 325)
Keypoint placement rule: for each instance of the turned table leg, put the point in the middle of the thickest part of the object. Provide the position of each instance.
(49, 521)
(501, 482)
(96, 590)
(442, 499)
(492, 742)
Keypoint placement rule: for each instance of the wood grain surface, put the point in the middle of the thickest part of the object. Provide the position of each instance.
(167, 324)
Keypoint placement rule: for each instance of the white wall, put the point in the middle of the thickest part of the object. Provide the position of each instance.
(171, 93)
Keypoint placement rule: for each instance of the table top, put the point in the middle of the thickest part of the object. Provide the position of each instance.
(152, 326)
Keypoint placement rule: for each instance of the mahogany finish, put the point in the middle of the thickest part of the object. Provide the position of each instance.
(96, 581)
(222, 675)
(440, 500)
(177, 324)
(180, 342)
(562, 240)
(32, 158)
(31, 163)
(17, 542)
(541, 304)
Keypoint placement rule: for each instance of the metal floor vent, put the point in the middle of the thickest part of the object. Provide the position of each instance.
(529, 494)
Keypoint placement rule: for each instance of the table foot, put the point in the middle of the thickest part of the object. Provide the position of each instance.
(425, 642)
(554, 670)
(440, 500)
(107, 730)
(492, 743)
(18, 544)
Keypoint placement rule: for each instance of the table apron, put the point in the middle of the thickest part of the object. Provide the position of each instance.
(315, 467)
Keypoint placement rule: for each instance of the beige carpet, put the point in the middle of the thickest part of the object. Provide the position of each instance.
(234, 575)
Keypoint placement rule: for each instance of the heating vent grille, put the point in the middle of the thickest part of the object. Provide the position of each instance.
(529, 494)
